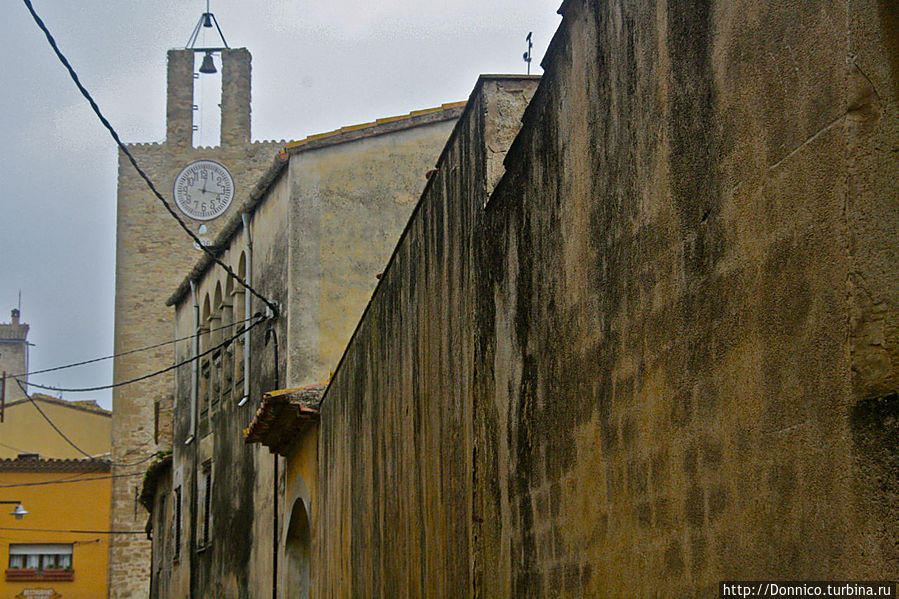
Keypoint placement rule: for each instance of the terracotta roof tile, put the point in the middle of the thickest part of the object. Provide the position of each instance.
(31, 464)
(283, 416)
(442, 112)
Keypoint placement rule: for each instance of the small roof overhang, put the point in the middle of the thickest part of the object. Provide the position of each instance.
(284, 416)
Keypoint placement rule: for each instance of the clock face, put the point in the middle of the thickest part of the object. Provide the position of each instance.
(204, 190)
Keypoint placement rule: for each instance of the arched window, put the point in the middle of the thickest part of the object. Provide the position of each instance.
(228, 332)
(298, 552)
(215, 359)
(204, 390)
(240, 309)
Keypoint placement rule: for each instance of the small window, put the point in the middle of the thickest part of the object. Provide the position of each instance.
(205, 495)
(40, 562)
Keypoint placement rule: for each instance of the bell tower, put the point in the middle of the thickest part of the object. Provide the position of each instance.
(153, 254)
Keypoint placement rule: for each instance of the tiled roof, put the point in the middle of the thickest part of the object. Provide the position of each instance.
(283, 416)
(32, 464)
(380, 126)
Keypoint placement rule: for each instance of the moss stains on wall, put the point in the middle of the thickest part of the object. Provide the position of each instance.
(649, 364)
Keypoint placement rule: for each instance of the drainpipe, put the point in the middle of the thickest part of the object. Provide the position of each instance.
(248, 311)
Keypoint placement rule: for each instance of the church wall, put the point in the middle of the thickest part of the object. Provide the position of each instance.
(236, 562)
(354, 200)
(377, 173)
(664, 355)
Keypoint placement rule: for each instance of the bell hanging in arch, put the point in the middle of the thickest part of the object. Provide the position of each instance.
(208, 67)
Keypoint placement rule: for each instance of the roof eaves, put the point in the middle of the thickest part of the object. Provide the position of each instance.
(63, 403)
(283, 416)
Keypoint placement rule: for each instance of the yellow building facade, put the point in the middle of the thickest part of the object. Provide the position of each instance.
(59, 548)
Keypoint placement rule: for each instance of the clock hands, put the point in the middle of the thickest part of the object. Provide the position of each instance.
(205, 178)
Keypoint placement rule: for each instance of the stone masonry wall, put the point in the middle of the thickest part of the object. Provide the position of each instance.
(152, 256)
(664, 355)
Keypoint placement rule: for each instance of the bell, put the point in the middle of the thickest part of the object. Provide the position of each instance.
(208, 66)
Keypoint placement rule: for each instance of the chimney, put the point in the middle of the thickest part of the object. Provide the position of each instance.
(15, 316)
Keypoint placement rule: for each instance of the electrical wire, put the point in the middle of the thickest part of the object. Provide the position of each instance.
(15, 448)
(69, 481)
(126, 353)
(59, 480)
(77, 532)
(133, 161)
(260, 320)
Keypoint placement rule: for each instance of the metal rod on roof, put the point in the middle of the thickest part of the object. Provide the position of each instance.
(527, 55)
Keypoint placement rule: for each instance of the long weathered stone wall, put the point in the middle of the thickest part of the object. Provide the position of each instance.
(665, 354)
(394, 512)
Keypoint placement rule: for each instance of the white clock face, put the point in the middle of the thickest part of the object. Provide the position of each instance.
(204, 190)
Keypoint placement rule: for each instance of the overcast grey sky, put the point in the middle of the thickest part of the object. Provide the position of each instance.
(316, 66)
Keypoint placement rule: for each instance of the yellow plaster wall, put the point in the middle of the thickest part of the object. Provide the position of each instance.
(300, 483)
(24, 430)
(70, 506)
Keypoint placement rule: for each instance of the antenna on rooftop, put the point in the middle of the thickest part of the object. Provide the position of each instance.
(527, 55)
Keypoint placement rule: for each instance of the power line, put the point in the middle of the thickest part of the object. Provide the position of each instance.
(228, 341)
(126, 353)
(59, 480)
(133, 161)
(16, 448)
(77, 532)
(69, 480)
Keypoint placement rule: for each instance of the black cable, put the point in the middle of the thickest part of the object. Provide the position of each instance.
(152, 374)
(16, 448)
(77, 532)
(130, 351)
(69, 481)
(72, 443)
(133, 161)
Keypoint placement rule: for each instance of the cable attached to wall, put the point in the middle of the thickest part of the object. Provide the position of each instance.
(115, 136)
(260, 319)
(129, 352)
(77, 532)
(70, 480)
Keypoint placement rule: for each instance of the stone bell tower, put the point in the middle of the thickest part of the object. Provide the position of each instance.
(153, 254)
